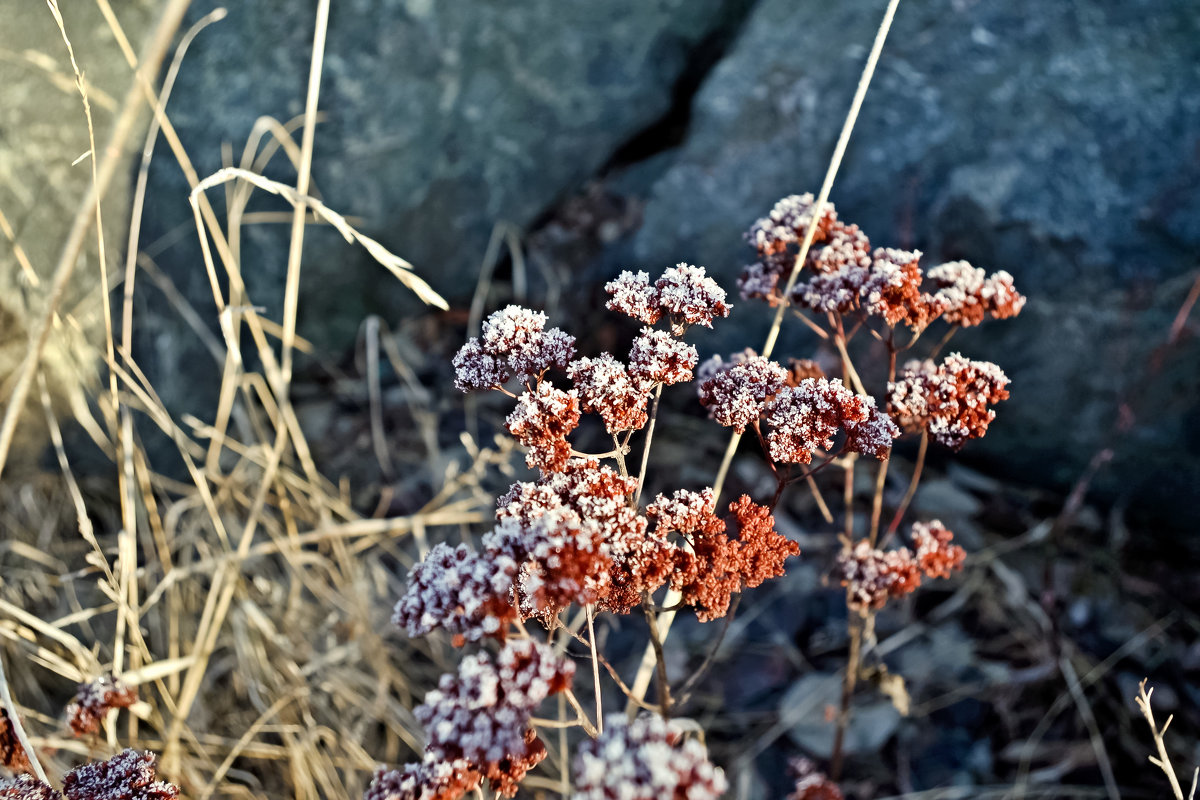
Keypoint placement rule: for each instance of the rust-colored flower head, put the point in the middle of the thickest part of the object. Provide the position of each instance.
(935, 554)
(788, 222)
(605, 388)
(647, 759)
(811, 783)
(542, 420)
(892, 290)
(736, 392)
(658, 357)
(872, 576)
(969, 297)
(93, 700)
(427, 780)
(804, 418)
(12, 754)
(687, 512)
(27, 787)
(951, 400)
(129, 775)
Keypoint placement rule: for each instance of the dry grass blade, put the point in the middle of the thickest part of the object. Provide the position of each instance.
(394, 263)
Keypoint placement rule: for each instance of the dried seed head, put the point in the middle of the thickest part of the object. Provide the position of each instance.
(736, 393)
(690, 297)
(129, 775)
(605, 388)
(633, 296)
(27, 787)
(647, 759)
(93, 701)
(950, 400)
(541, 421)
(658, 357)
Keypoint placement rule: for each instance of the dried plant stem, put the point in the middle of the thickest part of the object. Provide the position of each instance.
(656, 641)
(637, 496)
(912, 484)
(849, 681)
(595, 670)
(15, 719)
(1163, 761)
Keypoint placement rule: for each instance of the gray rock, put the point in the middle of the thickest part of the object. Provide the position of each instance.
(1054, 140)
(441, 118)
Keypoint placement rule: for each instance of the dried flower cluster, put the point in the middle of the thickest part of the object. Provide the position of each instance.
(873, 576)
(514, 341)
(736, 392)
(811, 783)
(605, 387)
(950, 400)
(647, 759)
(684, 293)
(806, 417)
(93, 700)
(847, 276)
(477, 725)
(542, 420)
(12, 754)
(129, 775)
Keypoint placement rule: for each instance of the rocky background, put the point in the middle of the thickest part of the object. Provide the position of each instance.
(1059, 141)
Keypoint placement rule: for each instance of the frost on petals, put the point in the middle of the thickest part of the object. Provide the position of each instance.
(811, 783)
(27, 787)
(950, 400)
(658, 357)
(94, 699)
(647, 759)
(805, 418)
(12, 754)
(970, 297)
(466, 593)
(514, 341)
(427, 780)
(736, 393)
(690, 297)
(605, 388)
(873, 576)
(634, 296)
(481, 715)
(892, 290)
(543, 418)
(129, 775)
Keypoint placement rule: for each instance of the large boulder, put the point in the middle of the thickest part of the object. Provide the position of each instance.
(1059, 141)
(440, 119)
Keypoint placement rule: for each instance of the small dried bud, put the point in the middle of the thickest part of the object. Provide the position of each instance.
(467, 593)
(94, 700)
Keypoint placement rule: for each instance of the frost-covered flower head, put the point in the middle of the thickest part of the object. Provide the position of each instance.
(514, 341)
(541, 421)
(969, 297)
(129, 775)
(736, 392)
(950, 400)
(658, 357)
(466, 593)
(804, 418)
(647, 759)
(605, 388)
(684, 293)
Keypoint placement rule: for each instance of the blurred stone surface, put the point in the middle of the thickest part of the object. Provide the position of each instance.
(1059, 141)
(440, 119)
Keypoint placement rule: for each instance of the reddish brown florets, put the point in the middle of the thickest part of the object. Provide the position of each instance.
(634, 296)
(129, 775)
(687, 512)
(935, 554)
(658, 357)
(481, 715)
(690, 297)
(647, 759)
(717, 567)
(27, 787)
(811, 783)
(800, 369)
(969, 297)
(806, 417)
(892, 290)
(736, 393)
(872, 436)
(605, 388)
(12, 755)
(777, 239)
(872, 577)
(93, 700)
(468, 594)
(476, 370)
(950, 400)
(541, 421)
